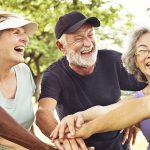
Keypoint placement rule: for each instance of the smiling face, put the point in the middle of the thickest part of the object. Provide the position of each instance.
(143, 54)
(12, 45)
(80, 47)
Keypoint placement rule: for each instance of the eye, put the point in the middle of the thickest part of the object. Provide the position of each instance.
(16, 32)
(78, 38)
(90, 35)
(141, 52)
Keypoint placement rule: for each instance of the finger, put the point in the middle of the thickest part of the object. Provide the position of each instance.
(51, 135)
(69, 136)
(134, 139)
(58, 145)
(54, 133)
(130, 135)
(81, 144)
(61, 131)
(71, 126)
(73, 144)
(125, 136)
(79, 121)
(91, 148)
(66, 144)
(135, 135)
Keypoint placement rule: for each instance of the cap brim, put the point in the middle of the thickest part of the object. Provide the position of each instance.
(14, 22)
(93, 21)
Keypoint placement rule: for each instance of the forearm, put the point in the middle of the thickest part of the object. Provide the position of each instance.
(46, 121)
(96, 111)
(93, 113)
(124, 115)
(11, 130)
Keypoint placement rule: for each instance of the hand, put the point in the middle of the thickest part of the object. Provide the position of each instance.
(67, 124)
(130, 135)
(71, 144)
(91, 148)
(84, 132)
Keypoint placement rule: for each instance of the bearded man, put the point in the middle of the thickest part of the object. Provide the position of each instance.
(83, 78)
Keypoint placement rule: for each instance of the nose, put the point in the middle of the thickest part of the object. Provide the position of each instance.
(24, 38)
(88, 42)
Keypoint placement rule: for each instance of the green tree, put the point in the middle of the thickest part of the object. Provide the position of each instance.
(41, 50)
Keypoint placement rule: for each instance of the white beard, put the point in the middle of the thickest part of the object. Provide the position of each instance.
(79, 60)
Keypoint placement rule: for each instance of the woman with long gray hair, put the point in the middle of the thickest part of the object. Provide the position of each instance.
(137, 62)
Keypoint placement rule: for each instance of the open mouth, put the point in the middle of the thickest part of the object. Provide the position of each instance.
(148, 64)
(19, 49)
(87, 51)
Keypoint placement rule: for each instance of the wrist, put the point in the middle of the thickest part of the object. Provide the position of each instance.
(85, 115)
(92, 127)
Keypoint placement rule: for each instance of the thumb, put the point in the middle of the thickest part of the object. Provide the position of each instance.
(81, 132)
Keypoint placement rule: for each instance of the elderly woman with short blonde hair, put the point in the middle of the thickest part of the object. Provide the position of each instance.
(16, 82)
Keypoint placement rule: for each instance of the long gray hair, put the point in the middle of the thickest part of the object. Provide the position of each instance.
(129, 59)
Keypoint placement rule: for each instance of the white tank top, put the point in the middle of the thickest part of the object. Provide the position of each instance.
(21, 108)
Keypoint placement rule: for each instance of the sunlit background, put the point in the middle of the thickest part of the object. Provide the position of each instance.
(42, 51)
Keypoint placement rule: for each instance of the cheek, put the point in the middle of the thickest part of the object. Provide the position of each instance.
(76, 48)
(140, 63)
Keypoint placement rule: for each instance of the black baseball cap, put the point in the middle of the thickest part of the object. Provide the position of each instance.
(72, 21)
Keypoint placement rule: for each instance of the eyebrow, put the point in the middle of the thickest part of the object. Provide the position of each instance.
(142, 46)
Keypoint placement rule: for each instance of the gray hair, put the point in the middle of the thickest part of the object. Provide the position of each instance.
(129, 59)
(62, 39)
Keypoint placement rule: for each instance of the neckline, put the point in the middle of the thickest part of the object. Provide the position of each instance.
(78, 75)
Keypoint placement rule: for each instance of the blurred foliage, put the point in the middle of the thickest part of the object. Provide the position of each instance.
(115, 22)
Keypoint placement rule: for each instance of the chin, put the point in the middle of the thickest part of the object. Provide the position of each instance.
(20, 61)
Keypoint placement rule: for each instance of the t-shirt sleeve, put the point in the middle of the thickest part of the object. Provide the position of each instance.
(50, 86)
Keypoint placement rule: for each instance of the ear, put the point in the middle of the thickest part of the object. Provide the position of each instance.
(60, 46)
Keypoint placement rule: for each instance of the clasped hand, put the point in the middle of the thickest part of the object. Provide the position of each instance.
(69, 132)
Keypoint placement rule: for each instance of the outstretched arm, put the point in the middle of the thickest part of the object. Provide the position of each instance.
(11, 130)
(123, 114)
(102, 119)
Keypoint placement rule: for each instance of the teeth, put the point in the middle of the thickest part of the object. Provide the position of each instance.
(148, 64)
(86, 51)
(20, 48)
